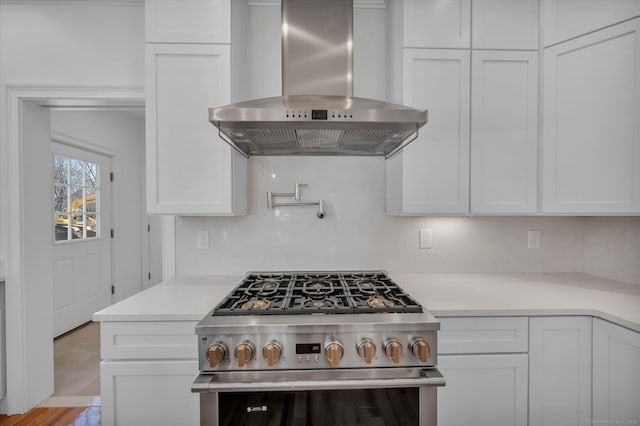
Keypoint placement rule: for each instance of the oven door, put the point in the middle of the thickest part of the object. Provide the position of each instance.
(380, 396)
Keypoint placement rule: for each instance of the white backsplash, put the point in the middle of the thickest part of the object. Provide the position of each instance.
(357, 234)
(612, 248)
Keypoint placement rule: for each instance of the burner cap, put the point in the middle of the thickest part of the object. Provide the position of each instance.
(317, 288)
(380, 302)
(255, 304)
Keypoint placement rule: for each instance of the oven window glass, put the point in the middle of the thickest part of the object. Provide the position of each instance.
(363, 407)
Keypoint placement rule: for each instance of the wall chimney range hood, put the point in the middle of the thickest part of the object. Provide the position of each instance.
(317, 114)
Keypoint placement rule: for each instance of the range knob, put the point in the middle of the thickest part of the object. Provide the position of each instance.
(244, 353)
(366, 350)
(333, 351)
(271, 352)
(393, 350)
(420, 349)
(216, 353)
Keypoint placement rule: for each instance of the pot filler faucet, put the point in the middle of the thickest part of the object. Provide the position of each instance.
(296, 195)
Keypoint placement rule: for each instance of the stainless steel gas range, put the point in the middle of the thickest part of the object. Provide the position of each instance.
(318, 348)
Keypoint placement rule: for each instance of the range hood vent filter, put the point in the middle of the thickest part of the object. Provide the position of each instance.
(363, 142)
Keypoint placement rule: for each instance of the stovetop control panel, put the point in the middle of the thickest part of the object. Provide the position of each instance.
(363, 349)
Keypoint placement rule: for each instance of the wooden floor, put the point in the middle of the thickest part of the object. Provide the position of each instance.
(76, 416)
(76, 374)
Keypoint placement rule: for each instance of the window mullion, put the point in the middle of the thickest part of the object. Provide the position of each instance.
(69, 217)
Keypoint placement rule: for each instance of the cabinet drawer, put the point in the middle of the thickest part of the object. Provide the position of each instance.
(483, 335)
(148, 340)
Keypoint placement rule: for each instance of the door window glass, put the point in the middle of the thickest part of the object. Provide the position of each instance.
(76, 191)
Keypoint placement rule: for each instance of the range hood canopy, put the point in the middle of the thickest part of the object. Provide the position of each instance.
(317, 114)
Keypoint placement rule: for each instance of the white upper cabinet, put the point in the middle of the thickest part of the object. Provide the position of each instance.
(566, 19)
(188, 21)
(504, 121)
(190, 170)
(437, 23)
(500, 24)
(591, 136)
(431, 175)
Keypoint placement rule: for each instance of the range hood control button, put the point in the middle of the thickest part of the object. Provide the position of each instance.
(216, 353)
(393, 350)
(420, 349)
(244, 353)
(367, 350)
(333, 351)
(271, 352)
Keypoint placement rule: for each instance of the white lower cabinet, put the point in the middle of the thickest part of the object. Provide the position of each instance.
(483, 390)
(616, 374)
(559, 371)
(146, 373)
(149, 393)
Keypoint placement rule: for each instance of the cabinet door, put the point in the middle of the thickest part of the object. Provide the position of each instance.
(616, 374)
(564, 19)
(560, 371)
(187, 21)
(591, 143)
(505, 24)
(190, 170)
(437, 23)
(504, 137)
(483, 390)
(431, 175)
(149, 393)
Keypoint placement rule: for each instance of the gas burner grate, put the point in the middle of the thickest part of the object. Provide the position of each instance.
(298, 293)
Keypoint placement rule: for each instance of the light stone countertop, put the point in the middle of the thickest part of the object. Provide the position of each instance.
(189, 298)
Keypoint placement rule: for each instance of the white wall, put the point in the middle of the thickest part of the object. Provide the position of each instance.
(62, 45)
(122, 135)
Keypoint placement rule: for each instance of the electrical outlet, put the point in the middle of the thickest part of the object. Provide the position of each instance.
(202, 239)
(533, 239)
(426, 239)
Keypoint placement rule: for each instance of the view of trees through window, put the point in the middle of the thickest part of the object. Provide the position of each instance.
(75, 198)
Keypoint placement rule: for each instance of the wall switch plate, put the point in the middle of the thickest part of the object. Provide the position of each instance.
(202, 239)
(426, 239)
(533, 239)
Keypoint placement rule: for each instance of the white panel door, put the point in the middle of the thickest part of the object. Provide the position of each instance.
(504, 138)
(565, 19)
(560, 371)
(483, 390)
(616, 374)
(82, 236)
(505, 24)
(434, 172)
(437, 23)
(190, 170)
(591, 136)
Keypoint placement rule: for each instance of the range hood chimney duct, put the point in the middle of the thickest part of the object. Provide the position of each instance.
(317, 114)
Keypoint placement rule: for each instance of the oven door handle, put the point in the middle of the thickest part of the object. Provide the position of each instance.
(296, 380)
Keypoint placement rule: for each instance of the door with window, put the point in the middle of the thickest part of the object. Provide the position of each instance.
(82, 242)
